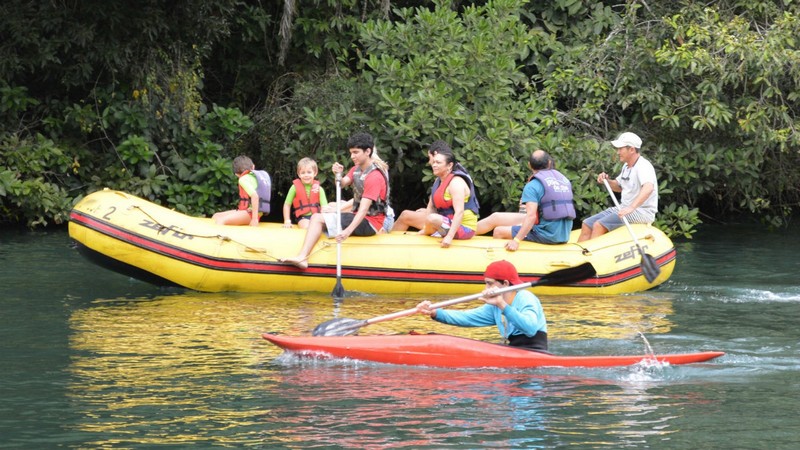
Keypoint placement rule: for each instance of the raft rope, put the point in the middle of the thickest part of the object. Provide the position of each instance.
(164, 228)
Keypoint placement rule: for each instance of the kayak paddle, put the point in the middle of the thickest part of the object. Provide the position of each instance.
(345, 326)
(338, 289)
(650, 267)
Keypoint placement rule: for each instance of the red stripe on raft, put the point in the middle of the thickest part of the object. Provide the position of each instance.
(231, 265)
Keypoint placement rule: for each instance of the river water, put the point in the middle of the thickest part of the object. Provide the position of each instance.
(92, 359)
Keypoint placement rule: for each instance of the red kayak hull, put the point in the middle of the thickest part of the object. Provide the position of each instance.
(438, 350)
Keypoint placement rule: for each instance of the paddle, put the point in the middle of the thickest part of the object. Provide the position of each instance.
(345, 326)
(650, 267)
(338, 289)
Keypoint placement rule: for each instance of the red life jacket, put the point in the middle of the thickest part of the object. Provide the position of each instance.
(445, 207)
(302, 204)
(263, 189)
(244, 197)
(439, 201)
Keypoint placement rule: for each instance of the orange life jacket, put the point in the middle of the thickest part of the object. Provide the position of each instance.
(302, 204)
(244, 197)
(263, 189)
(445, 207)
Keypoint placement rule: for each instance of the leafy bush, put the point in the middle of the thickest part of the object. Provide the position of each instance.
(713, 91)
(34, 177)
(158, 141)
(711, 87)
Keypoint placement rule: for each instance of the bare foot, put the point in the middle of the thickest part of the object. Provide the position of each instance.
(300, 263)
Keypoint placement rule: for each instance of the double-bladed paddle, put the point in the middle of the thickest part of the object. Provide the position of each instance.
(650, 267)
(345, 326)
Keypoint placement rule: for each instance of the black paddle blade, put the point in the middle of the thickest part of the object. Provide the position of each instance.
(568, 275)
(338, 290)
(338, 327)
(650, 267)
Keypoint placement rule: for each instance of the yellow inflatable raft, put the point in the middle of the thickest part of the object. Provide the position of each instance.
(143, 240)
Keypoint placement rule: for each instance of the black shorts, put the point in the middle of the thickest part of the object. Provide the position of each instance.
(363, 229)
(537, 342)
(296, 220)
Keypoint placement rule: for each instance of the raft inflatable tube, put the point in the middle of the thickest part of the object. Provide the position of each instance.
(146, 241)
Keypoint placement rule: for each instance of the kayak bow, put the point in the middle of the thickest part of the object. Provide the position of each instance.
(440, 350)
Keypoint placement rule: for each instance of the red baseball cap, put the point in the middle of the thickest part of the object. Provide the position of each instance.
(502, 271)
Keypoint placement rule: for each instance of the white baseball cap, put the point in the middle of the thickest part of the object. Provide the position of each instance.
(627, 139)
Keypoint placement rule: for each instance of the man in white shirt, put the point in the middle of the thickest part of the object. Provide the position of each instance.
(638, 184)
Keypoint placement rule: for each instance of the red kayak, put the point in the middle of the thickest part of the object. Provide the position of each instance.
(439, 350)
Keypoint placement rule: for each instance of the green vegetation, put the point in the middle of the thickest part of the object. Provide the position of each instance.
(155, 99)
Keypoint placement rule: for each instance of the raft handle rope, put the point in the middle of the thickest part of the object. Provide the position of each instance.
(164, 228)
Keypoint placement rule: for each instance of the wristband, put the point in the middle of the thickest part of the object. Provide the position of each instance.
(515, 240)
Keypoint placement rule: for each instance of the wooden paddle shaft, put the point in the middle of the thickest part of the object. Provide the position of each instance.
(624, 219)
(445, 303)
(344, 327)
(650, 268)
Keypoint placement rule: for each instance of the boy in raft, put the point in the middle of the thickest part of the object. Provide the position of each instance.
(370, 200)
(517, 314)
(305, 197)
(255, 189)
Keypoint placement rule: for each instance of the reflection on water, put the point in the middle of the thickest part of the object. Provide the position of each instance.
(568, 318)
(623, 317)
(152, 368)
(416, 406)
(356, 405)
(96, 360)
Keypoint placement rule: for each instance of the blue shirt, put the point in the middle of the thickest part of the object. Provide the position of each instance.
(524, 316)
(555, 231)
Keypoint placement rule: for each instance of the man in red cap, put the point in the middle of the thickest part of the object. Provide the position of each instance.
(517, 314)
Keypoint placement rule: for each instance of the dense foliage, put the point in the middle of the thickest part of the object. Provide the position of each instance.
(155, 98)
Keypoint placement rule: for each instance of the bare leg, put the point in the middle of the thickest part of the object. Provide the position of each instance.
(502, 232)
(232, 217)
(498, 219)
(303, 223)
(408, 218)
(432, 223)
(598, 230)
(586, 233)
(315, 227)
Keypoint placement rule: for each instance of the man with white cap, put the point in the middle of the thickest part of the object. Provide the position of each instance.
(638, 184)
